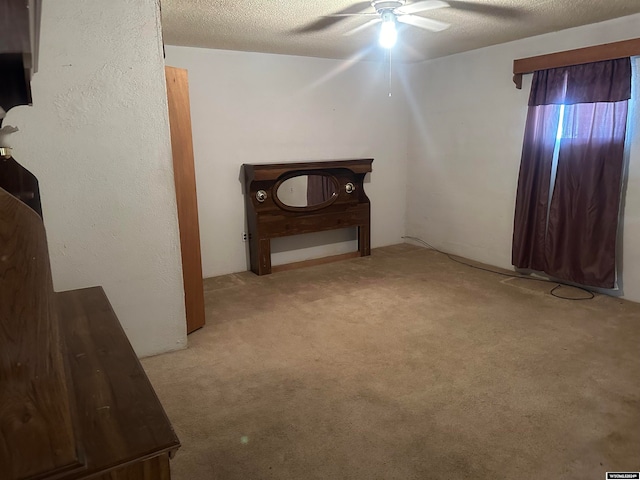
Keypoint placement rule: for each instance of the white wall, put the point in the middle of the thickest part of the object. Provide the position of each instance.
(97, 138)
(465, 143)
(262, 108)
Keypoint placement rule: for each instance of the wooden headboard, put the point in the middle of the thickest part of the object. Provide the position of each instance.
(340, 201)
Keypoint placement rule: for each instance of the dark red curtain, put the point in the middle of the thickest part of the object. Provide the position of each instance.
(573, 238)
(532, 198)
(583, 218)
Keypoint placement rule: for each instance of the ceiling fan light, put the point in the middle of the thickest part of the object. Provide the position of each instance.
(388, 32)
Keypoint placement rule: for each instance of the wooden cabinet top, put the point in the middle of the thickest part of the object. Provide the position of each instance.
(272, 171)
(120, 419)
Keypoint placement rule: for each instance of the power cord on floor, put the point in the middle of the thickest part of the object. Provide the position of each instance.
(523, 277)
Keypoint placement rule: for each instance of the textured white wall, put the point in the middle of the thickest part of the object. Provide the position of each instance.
(465, 143)
(261, 108)
(97, 138)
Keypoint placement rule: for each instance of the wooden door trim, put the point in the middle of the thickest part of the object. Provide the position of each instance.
(186, 198)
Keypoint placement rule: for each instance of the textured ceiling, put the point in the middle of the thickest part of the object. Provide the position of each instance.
(283, 26)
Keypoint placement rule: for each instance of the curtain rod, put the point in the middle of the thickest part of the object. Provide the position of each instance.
(597, 53)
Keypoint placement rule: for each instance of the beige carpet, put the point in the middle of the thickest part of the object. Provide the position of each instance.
(403, 365)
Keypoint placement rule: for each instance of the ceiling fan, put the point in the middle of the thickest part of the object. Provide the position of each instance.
(389, 13)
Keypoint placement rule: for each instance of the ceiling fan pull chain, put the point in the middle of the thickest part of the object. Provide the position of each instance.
(389, 72)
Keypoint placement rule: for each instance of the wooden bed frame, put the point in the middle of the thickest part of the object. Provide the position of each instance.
(268, 217)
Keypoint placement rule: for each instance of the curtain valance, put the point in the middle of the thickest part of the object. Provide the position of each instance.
(607, 81)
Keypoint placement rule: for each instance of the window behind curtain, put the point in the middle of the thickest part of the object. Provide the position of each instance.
(566, 218)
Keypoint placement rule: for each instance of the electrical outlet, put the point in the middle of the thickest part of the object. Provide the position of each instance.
(245, 237)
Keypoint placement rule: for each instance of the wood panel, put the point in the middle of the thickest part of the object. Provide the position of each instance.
(20, 183)
(37, 435)
(597, 53)
(156, 468)
(284, 224)
(19, 42)
(121, 420)
(14, 90)
(273, 171)
(185, 180)
(14, 26)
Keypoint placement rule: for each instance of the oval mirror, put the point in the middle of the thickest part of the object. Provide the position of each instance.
(307, 190)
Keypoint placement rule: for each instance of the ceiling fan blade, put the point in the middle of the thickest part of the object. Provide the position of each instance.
(364, 26)
(353, 14)
(422, 6)
(486, 9)
(336, 17)
(425, 23)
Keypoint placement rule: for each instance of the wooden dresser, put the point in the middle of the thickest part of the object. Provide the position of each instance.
(75, 402)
